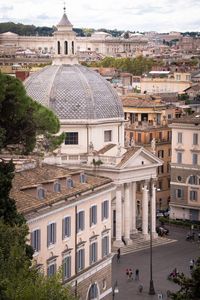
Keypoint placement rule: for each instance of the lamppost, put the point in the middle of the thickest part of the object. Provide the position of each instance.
(115, 290)
(151, 285)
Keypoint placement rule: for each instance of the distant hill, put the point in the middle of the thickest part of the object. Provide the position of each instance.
(29, 30)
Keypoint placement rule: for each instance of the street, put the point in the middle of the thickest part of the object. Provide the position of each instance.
(165, 259)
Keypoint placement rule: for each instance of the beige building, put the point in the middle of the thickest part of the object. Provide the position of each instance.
(185, 168)
(147, 126)
(69, 218)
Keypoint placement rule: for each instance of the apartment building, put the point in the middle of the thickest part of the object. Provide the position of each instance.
(69, 217)
(185, 168)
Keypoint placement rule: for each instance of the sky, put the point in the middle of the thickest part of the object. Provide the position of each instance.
(133, 15)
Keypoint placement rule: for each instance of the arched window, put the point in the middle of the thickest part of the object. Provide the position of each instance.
(70, 183)
(57, 187)
(66, 47)
(73, 47)
(58, 47)
(82, 178)
(93, 293)
(41, 193)
(193, 179)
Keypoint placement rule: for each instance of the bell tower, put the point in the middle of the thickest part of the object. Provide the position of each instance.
(64, 43)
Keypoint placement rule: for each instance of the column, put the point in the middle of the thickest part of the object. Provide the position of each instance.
(133, 207)
(153, 210)
(118, 242)
(145, 210)
(127, 213)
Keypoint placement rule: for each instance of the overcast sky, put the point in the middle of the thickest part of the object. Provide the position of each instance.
(138, 15)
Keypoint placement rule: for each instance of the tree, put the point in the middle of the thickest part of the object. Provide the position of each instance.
(190, 286)
(21, 118)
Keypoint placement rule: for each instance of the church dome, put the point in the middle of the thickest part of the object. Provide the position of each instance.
(75, 92)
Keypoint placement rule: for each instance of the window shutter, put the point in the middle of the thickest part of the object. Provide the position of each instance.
(90, 254)
(77, 222)
(83, 259)
(54, 233)
(102, 211)
(69, 266)
(63, 229)
(83, 220)
(95, 214)
(39, 240)
(48, 235)
(69, 226)
(90, 216)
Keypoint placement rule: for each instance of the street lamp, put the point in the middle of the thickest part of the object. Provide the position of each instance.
(151, 285)
(115, 290)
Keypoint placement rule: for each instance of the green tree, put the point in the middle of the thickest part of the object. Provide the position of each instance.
(189, 286)
(21, 118)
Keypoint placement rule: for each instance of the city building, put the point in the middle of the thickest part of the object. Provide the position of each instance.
(147, 126)
(69, 217)
(185, 168)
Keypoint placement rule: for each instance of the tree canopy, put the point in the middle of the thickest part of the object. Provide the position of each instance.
(21, 118)
(136, 66)
(189, 286)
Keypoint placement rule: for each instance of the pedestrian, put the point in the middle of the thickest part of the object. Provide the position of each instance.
(130, 274)
(136, 274)
(191, 264)
(118, 255)
(140, 288)
(127, 273)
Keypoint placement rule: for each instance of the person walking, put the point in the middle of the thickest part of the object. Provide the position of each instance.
(137, 274)
(191, 264)
(118, 255)
(140, 288)
(130, 274)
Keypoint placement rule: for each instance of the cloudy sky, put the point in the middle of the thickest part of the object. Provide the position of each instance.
(138, 15)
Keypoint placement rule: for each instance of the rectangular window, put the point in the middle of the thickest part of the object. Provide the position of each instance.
(108, 136)
(161, 153)
(195, 138)
(80, 259)
(71, 138)
(139, 137)
(67, 267)
(80, 221)
(105, 210)
(105, 246)
(93, 253)
(66, 227)
(179, 158)
(35, 240)
(193, 195)
(161, 169)
(160, 136)
(51, 234)
(180, 137)
(194, 159)
(160, 185)
(51, 269)
(179, 193)
(169, 152)
(93, 215)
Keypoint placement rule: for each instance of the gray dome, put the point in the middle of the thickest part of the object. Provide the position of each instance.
(75, 92)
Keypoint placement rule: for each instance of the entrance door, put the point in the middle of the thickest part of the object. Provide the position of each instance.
(194, 215)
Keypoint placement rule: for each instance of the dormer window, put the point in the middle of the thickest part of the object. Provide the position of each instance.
(57, 187)
(82, 178)
(41, 193)
(70, 183)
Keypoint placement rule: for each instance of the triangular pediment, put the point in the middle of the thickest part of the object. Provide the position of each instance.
(139, 158)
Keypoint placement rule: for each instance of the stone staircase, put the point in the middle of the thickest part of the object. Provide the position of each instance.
(140, 243)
